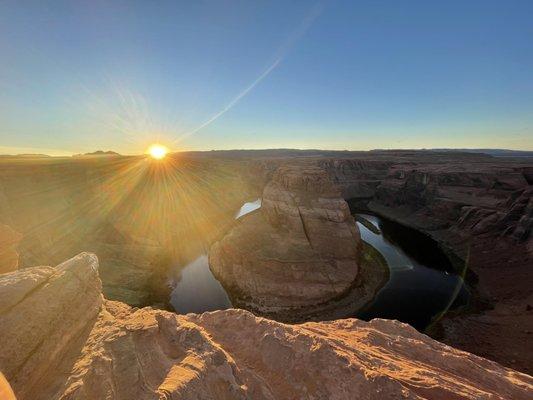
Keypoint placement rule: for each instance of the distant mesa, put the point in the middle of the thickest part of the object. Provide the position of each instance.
(98, 153)
(493, 152)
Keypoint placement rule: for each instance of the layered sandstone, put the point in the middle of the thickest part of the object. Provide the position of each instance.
(296, 254)
(60, 340)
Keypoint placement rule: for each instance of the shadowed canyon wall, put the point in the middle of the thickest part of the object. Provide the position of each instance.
(478, 208)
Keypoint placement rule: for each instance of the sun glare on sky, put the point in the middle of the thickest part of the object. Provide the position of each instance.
(157, 151)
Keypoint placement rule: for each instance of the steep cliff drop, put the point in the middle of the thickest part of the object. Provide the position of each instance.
(300, 256)
(62, 340)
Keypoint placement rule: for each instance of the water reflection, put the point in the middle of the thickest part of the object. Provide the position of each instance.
(248, 208)
(195, 288)
(422, 280)
(421, 283)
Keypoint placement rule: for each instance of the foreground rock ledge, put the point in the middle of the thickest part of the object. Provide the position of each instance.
(62, 340)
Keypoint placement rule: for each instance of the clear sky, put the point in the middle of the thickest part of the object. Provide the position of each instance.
(78, 76)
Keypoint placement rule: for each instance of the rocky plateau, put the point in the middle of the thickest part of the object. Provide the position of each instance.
(136, 215)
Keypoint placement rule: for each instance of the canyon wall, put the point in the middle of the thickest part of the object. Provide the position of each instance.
(62, 340)
(468, 195)
(478, 208)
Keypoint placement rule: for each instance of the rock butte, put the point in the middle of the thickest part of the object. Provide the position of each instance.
(298, 252)
(62, 340)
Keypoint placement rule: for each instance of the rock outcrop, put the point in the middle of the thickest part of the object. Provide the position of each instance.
(45, 316)
(9, 257)
(298, 253)
(61, 340)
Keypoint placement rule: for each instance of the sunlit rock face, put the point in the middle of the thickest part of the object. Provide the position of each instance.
(45, 316)
(61, 340)
(299, 250)
(304, 201)
(9, 258)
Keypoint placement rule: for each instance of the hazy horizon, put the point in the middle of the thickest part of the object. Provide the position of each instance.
(331, 75)
(36, 152)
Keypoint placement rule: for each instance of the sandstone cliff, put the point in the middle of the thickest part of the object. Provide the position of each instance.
(298, 254)
(61, 340)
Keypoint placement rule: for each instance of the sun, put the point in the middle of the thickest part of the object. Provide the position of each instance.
(157, 151)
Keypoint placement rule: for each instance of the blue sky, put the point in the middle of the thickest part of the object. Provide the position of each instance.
(80, 76)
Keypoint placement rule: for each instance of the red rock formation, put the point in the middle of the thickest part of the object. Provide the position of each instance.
(59, 341)
(296, 253)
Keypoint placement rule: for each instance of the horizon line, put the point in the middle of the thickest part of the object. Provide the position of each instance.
(67, 154)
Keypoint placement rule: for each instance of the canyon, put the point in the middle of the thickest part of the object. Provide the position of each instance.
(478, 208)
(139, 217)
(113, 351)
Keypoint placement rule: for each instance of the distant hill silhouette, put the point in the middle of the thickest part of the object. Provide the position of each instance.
(99, 153)
(493, 152)
(285, 153)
